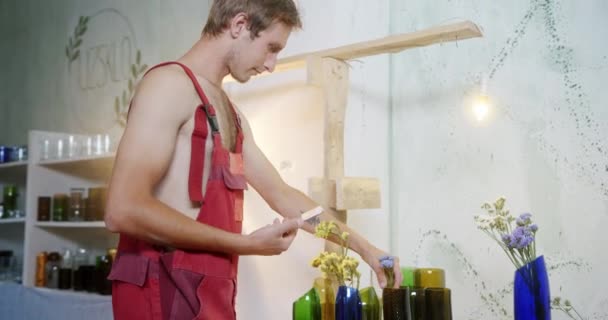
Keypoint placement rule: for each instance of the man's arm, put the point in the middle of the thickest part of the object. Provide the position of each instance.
(160, 107)
(291, 203)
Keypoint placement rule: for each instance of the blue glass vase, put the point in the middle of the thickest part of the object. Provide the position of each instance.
(348, 304)
(532, 300)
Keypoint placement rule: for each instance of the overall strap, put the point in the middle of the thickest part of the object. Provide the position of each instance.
(204, 112)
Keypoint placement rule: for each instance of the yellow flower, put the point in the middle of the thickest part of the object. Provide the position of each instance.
(324, 229)
(333, 264)
(500, 203)
(316, 262)
(344, 235)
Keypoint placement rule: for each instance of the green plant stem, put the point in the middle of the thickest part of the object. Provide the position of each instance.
(508, 251)
(578, 314)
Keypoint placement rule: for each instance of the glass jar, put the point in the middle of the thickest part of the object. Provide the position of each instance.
(10, 200)
(22, 153)
(60, 207)
(44, 208)
(41, 259)
(65, 272)
(6, 257)
(96, 204)
(76, 208)
(53, 264)
(102, 270)
(3, 154)
(81, 260)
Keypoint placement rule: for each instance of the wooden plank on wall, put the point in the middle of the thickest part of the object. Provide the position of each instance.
(390, 44)
(357, 193)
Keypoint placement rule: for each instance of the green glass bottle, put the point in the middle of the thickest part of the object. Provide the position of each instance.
(307, 307)
(371, 304)
(408, 276)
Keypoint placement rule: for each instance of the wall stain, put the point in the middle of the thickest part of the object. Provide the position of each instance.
(589, 162)
(577, 105)
(520, 30)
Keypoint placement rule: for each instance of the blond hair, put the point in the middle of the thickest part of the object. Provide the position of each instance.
(260, 13)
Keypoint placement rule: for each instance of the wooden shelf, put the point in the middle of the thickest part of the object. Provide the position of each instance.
(77, 160)
(13, 172)
(91, 167)
(69, 224)
(12, 221)
(14, 164)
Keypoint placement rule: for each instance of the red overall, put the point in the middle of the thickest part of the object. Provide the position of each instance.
(152, 283)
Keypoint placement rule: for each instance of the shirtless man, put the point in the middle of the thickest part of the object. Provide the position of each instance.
(186, 156)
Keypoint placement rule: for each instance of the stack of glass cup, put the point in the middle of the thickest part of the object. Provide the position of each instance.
(76, 146)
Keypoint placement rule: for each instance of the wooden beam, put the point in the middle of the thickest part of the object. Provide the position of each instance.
(357, 193)
(335, 85)
(322, 191)
(347, 193)
(390, 44)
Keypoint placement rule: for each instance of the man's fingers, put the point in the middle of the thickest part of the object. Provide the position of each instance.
(379, 273)
(398, 274)
(288, 226)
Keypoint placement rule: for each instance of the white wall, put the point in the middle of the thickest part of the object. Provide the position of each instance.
(545, 147)
(38, 88)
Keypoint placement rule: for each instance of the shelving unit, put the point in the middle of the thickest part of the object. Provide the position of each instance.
(84, 224)
(15, 221)
(12, 230)
(51, 176)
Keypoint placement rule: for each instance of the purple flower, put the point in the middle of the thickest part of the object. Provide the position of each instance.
(533, 228)
(521, 237)
(387, 262)
(524, 241)
(525, 216)
(524, 219)
(507, 239)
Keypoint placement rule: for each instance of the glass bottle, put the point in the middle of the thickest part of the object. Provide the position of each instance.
(10, 200)
(81, 260)
(44, 208)
(65, 271)
(60, 207)
(41, 259)
(76, 207)
(53, 264)
(102, 270)
(307, 307)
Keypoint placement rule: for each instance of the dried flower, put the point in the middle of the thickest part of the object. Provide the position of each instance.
(566, 308)
(337, 265)
(517, 240)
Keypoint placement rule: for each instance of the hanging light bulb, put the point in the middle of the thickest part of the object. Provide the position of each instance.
(481, 107)
(481, 103)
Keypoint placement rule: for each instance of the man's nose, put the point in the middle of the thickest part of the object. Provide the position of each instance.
(270, 63)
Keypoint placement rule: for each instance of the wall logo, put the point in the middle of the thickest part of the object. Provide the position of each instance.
(105, 63)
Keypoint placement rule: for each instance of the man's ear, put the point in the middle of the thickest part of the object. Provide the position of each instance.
(238, 25)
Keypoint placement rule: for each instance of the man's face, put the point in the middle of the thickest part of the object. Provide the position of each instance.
(251, 57)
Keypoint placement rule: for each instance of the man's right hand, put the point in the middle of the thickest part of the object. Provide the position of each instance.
(274, 238)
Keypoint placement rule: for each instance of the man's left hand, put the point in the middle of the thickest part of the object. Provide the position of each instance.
(372, 257)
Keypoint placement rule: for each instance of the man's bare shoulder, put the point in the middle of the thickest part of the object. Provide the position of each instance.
(166, 91)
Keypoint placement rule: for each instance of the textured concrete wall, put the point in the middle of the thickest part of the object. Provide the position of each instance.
(544, 146)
